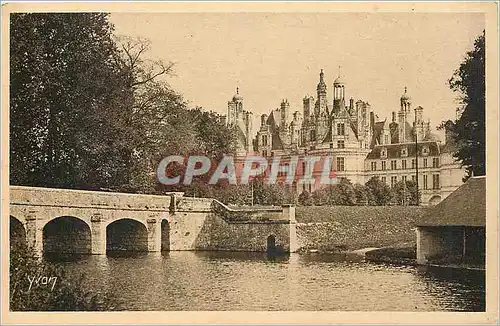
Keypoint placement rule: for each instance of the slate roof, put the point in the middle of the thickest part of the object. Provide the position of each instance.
(377, 130)
(394, 150)
(276, 144)
(465, 206)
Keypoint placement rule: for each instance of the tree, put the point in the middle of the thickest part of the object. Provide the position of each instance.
(363, 194)
(305, 199)
(468, 132)
(153, 115)
(341, 193)
(63, 89)
(91, 111)
(405, 193)
(381, 192)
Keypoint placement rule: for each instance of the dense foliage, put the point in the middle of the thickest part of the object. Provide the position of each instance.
(90, 111)
(29, 291)
(468, 132)
(374, 193)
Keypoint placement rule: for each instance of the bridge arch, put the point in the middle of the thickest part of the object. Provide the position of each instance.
(67, 234)
(17, 234)
(271, 244)
(126, 234)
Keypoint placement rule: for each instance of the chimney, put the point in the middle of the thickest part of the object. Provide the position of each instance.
(351, 104)
(263, 119)
(372, 119)
(393, 116)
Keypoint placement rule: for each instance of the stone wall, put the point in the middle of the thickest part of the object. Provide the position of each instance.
(339, 228)
(84, 199)
(246, 229)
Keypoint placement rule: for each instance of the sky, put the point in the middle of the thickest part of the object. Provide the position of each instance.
(275, 56)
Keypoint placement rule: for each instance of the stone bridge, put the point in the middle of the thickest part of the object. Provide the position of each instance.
(90, 222)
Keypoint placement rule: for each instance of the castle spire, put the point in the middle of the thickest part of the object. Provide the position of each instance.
(321, 88)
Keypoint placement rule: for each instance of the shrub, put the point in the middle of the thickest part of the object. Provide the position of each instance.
(61, 295)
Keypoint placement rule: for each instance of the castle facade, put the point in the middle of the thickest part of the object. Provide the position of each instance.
(361, 146)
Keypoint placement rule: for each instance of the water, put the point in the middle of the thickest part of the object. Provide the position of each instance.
(250, 281)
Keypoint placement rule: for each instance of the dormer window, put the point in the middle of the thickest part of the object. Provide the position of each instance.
(404, 152)
(383, 153)
(340, 129)
(313, 135)
(425, 151)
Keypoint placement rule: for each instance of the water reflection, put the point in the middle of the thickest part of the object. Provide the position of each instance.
(261, 281)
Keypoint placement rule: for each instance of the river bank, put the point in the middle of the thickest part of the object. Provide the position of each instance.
(402, 254)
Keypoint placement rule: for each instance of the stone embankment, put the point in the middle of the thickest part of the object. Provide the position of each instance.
(349, 228)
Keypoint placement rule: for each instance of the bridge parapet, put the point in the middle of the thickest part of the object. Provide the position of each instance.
(38, 196)
(192, 204)
(253, 214)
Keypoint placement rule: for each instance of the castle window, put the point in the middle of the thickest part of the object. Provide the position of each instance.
(394, 180)
(413, 163)
(384, 180)
(340, 129)
(425, 182)
(313, 135)
(264, 140)
(403, 164)
(435, 162)
(340, 164)
(435, 181)
(331, 145)
(374, 166)
(413, 179)
(384, 167)
(403, 178)
(393, 165)
(383, 153)
(425, 162)
(340, 144)
(264, 153)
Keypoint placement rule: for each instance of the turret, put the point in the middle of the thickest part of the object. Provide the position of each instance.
(322, 103)
(235, 109)
(338, 93)
(284, 110)
(405, 101)
(263, 120)
(308, 102)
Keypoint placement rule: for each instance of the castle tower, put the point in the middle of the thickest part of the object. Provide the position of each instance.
(247, 125)
(402, 127)
(235, 109)
(420, 124)
(321, 90)
(338, 94)
(406, 102)
(404, 117)
(308, 102)
(285, 111)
